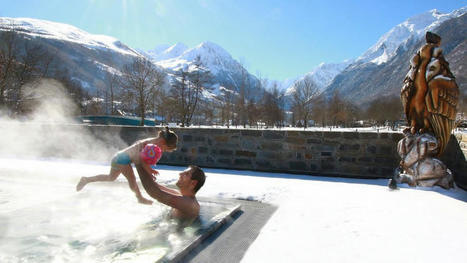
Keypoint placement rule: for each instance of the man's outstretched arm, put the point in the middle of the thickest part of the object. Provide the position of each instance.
(152, 188)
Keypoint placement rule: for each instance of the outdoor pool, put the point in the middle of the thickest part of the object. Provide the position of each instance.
(43, 219)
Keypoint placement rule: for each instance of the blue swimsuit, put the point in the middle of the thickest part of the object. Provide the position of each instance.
(120, 158)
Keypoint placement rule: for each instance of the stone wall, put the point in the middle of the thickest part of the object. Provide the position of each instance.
(355, 154)
(455, 158)
(349, 154)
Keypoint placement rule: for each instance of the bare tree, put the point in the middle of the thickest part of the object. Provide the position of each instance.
(253, 113)
(336, 109)
(342, 112)
(384, 109)
(226, 105)
(200, 78)
(113, 81)
(142, 79)
(187, 87)
(8, 53)
(272, 107)
(241, 100)
(304, 98)
(320, 110)
(31, 65)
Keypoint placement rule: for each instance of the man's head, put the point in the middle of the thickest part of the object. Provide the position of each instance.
(191, 179)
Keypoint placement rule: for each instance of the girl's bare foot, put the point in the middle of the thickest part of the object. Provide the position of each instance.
(145, 201)
(81, 184)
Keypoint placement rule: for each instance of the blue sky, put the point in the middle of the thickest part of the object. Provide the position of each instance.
(274, 39)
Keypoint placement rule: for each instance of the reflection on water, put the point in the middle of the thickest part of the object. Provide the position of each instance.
(42, 219)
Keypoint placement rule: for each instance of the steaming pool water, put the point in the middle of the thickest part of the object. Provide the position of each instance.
(43, 219)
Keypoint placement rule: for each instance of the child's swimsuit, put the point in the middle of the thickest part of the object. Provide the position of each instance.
(120, 158)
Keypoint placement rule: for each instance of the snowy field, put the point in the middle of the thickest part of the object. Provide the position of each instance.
(318, 219)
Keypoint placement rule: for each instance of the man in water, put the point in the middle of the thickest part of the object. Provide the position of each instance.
(183, 202)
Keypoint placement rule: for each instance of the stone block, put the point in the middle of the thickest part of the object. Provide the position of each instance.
(232, 131)
(251, 133)
(298, 166)
(371, 149)
(370, 170)
(221, 138)
(224, 161)
(298, 155)
(383, 135)
(385, 160)
(314, 141)
(365, 159)
(270, 155)
(327, 166)
(199, 139)
(202, 150)
(271, 146)
(326, 148)
(263, 164)
(295, 148)
(249, 145)
(369, 135)
(350, 169)
(292, 134)
(347, 159)
(225, 152)
(351, 135)
(273, 135)
(349, 147)
(314, 167)
(188, 158)
(332, 134)
(242, 162)
(295, 140)
(385, 149)
(210, 160)
(246, 154)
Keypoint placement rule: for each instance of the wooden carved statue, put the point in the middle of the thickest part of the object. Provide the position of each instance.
(429, 96)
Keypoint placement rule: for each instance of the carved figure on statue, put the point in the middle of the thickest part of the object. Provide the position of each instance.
(418, 166)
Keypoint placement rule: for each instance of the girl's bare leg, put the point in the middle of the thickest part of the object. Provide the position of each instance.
(130, 176)
(113, 174)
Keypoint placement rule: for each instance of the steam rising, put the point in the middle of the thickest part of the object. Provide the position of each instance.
(50, 130)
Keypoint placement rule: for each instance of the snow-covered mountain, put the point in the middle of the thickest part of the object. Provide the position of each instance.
(380, 70)
(165, 52)
(322, 75)
(227, 71)
(88, 58)
(400, 36)
(414, 27)
(85, 57)
(64, 32)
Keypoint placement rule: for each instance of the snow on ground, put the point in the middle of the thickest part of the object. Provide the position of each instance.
(348, 220)
(318, 219)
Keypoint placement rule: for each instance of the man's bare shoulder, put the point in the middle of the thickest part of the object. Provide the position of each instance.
(188, 210)
(187, 206)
